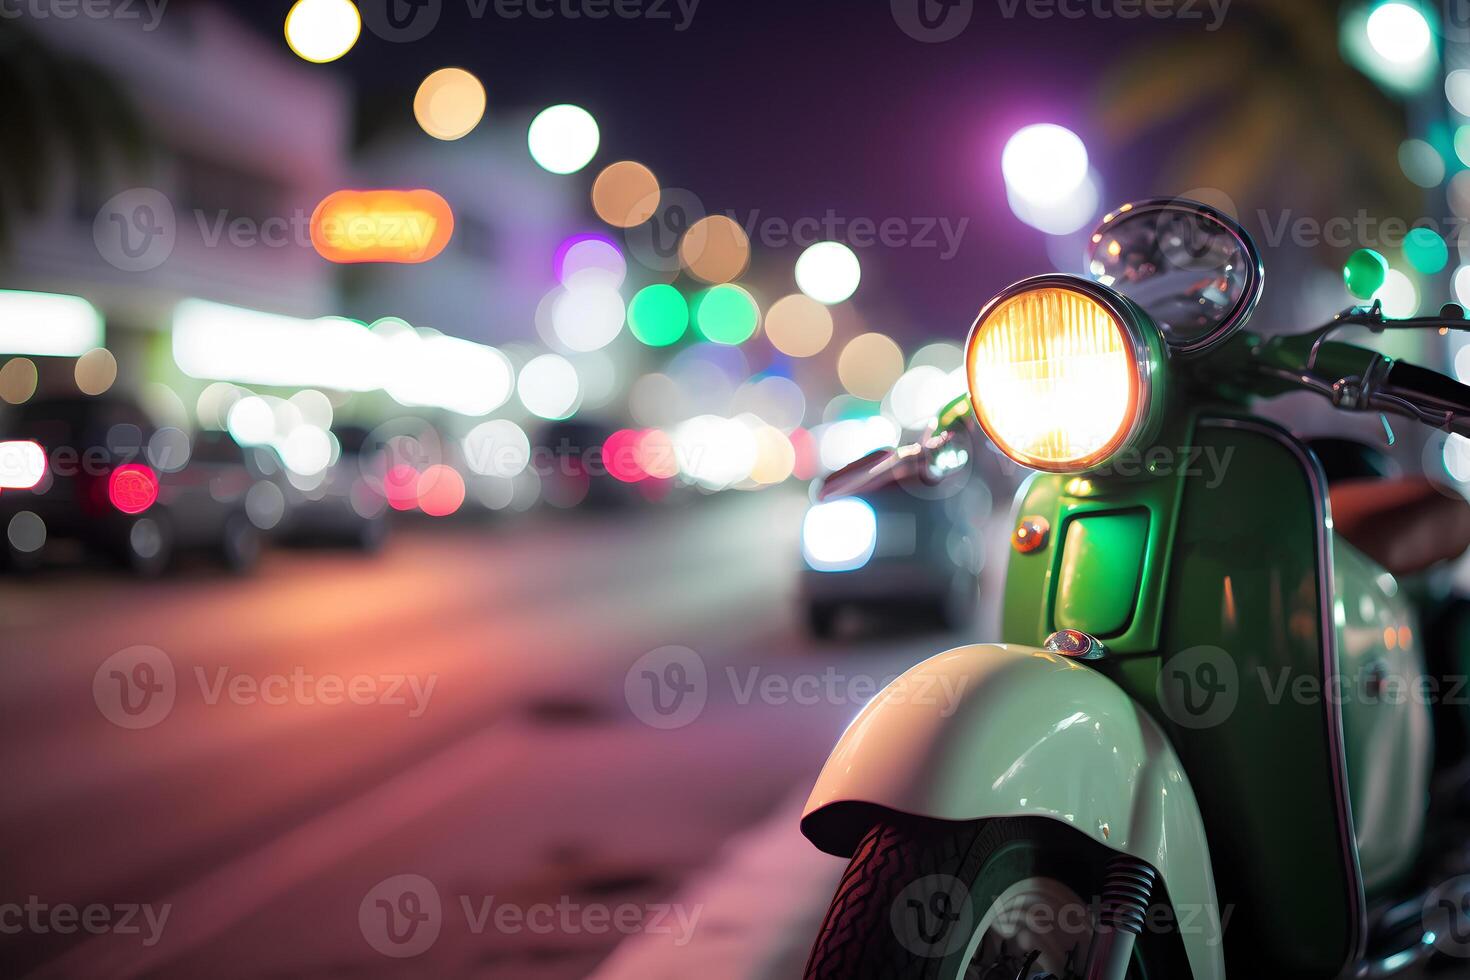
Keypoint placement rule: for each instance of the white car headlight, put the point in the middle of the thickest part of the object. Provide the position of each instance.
(840, 535)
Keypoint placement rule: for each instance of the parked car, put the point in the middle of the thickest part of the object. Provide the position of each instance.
(346, 507)
(124, 488)
(906, 545)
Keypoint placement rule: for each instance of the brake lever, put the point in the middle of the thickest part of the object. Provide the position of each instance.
(1451, 317)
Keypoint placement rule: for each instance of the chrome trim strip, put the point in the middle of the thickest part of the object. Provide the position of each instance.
(1325, 583)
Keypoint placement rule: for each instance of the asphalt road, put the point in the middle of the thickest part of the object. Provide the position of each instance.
(208, 776)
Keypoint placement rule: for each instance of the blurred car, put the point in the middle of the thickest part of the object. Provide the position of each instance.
(341, 507)
(124, 488)
(569, 458)
(898, 548)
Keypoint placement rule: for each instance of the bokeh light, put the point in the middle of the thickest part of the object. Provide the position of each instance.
(1421, 163)
(869, 365)
(715, 249)
(440, 490)
(726, 314)
(590, 259)
(449, 103)
(1462, 287)
(828, 272)
(1044, 163)
(921, 392)
(1365, 272)
(658, 315)
(1426, 251)
(548, 387)
(625, 194)
(322, 30)
(1457, 90)
(799, 326)
(775, 400)
(1399, 32)
(95, 371)
(497, 448)
(563, 139)
(839, 443)
(1399, 295)
(18, 380)
(588, 317)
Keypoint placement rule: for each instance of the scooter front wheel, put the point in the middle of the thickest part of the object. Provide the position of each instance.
(1007, 898)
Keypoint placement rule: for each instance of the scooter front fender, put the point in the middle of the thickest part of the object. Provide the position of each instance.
(1008, 731)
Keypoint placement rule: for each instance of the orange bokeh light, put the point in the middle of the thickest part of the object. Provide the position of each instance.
(381, 226)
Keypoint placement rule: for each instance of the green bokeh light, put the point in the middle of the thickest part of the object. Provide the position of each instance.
(1462, 144)
(658, 315)
(1365, 273)
(726, 314)
(1426, 251)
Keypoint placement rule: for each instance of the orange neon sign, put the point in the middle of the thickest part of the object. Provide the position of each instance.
(381, 226)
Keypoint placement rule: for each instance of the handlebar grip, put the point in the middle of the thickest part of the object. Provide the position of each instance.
(1429, 389)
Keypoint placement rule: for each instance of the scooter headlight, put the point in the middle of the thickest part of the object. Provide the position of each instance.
(1063, 372)
(840, 535)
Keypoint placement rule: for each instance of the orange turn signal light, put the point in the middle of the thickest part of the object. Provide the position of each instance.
(381, 226)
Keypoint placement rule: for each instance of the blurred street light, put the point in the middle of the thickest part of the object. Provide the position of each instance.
(449, 103)
(563, 139)
(828, 272)
(322, 30)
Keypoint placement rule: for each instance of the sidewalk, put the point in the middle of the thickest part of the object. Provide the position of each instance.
(759, 904)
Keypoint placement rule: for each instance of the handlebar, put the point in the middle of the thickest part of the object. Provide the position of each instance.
(1358, 379)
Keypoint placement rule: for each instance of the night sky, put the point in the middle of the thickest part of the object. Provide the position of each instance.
(795, 107)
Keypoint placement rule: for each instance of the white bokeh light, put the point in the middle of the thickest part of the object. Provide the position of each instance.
(563, 139)
(828, 272)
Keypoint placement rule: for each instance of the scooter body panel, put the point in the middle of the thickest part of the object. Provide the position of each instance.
(1010, 731)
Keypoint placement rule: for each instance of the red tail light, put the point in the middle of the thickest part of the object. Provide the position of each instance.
(132, 488)
(22, 464)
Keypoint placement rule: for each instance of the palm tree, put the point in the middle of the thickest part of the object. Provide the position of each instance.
(1265, 106)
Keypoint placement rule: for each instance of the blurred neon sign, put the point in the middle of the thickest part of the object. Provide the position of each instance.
(381, 226)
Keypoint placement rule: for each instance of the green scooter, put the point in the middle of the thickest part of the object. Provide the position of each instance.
(1207, 743)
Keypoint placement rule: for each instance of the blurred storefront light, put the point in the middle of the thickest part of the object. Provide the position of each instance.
(726, 314)
(22, 464)
(658, 315)
(799, 326)
(47, 324)
(226, 343)
(395, 226)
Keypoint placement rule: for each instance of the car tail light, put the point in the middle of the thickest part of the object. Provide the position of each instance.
(22, 465)
(132, 488)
